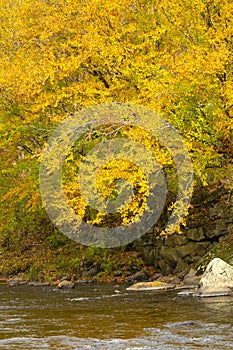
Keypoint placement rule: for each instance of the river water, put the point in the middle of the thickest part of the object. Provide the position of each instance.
(110, 317)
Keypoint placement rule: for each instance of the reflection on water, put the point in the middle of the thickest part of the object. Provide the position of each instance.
(109, 317)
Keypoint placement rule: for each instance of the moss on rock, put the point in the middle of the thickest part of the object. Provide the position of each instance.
(222, 250)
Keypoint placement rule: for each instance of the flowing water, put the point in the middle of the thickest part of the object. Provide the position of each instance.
(109, 317)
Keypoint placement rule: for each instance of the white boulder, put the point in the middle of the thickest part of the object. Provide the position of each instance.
(217, 279)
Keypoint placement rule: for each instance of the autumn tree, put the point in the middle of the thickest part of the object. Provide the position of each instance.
(60, 57)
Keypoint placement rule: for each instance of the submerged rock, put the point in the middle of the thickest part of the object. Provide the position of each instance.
(217, 279)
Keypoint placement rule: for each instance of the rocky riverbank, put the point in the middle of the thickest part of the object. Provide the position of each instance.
(158, 281)
(127, 267)
(217, 280)
(207, 235)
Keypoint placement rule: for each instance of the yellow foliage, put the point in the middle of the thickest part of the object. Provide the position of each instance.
(59, 57)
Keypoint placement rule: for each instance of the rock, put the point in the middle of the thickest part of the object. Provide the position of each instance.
(82, 281)
(38, 284)
(165, 268)
(151, 286)
(170, 255)
(192, 248)
(16, 282)
(150, 254)
(91, 271)
(65, 284)
(127, 273)
(157, 276)
(191, 279)
(175, 240)
(94, 270)
(196, 234)
(182, 267)
(170, 279)
(140, 276)
(217, 280)
(216, 229)
(65, 278)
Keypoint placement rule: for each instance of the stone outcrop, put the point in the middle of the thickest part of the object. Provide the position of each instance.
(209, 221)
(217, 280)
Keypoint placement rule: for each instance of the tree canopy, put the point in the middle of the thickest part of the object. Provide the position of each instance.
(60, 57)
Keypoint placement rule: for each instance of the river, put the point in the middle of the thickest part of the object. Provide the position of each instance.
(109, 317)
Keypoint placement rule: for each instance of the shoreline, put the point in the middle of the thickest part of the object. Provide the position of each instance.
(171, 281)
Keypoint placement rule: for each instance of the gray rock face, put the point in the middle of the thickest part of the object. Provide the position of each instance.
(217, 279)
(210, 220)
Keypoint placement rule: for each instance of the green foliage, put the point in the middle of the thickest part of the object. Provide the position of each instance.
(56, 240)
